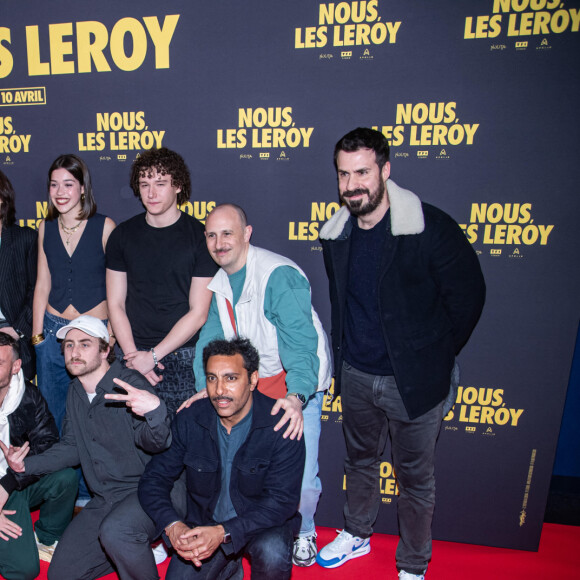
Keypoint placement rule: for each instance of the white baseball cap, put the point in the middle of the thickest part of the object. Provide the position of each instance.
(89, 324)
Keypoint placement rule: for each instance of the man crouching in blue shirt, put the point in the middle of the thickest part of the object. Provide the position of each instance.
(243, 478)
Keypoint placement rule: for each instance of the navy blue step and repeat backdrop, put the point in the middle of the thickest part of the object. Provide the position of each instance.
(480, 102)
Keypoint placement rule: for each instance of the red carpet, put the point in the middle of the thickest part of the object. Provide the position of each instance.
(558, 557)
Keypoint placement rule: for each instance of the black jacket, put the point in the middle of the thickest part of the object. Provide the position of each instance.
(431, 293)
(18, 257)
(111, 444)
(265, 482)
(33, 422)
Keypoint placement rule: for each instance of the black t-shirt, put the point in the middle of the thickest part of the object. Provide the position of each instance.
(159, 263)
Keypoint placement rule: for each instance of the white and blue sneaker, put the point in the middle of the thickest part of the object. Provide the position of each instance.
(344, 547)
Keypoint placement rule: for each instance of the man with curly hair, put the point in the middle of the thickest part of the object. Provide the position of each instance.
(158, 269)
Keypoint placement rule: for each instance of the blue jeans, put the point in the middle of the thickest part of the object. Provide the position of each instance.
(311, 486)
(372, 408)
(52, 377)
(270, 555)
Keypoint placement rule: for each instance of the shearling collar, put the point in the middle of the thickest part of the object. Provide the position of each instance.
(406, 215)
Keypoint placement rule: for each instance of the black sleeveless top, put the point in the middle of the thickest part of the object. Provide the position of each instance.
(78, 279)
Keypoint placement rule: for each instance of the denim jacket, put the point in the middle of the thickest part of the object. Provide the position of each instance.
(265, 481)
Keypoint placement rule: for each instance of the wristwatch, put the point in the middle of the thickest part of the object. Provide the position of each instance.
(299, 396)
(227, 538)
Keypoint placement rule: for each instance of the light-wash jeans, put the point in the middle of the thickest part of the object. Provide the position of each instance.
(311, 486)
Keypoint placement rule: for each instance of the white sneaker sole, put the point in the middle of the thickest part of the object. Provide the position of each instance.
(362, 551)
(304, 563)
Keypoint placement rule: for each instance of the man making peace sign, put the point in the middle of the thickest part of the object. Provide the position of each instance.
(113, 424)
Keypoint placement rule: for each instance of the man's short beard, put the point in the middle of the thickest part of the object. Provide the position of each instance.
(357, 208)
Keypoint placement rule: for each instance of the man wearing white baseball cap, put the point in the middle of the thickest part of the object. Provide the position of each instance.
(106, 402)
(88, 324)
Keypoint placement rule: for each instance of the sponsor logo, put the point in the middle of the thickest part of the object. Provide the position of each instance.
(544, 45)
(516, 254)
(366, 55)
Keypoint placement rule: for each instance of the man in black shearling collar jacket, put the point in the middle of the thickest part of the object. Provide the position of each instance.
(406, 291)
(26, 422)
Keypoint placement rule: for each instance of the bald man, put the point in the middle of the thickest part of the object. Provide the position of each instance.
(266, 298)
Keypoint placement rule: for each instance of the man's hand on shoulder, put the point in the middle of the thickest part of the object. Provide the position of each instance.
(186, 404)
(138, 400)
(15, 456)
(292, 415)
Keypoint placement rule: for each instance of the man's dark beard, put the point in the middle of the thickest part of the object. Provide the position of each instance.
(356, 207)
